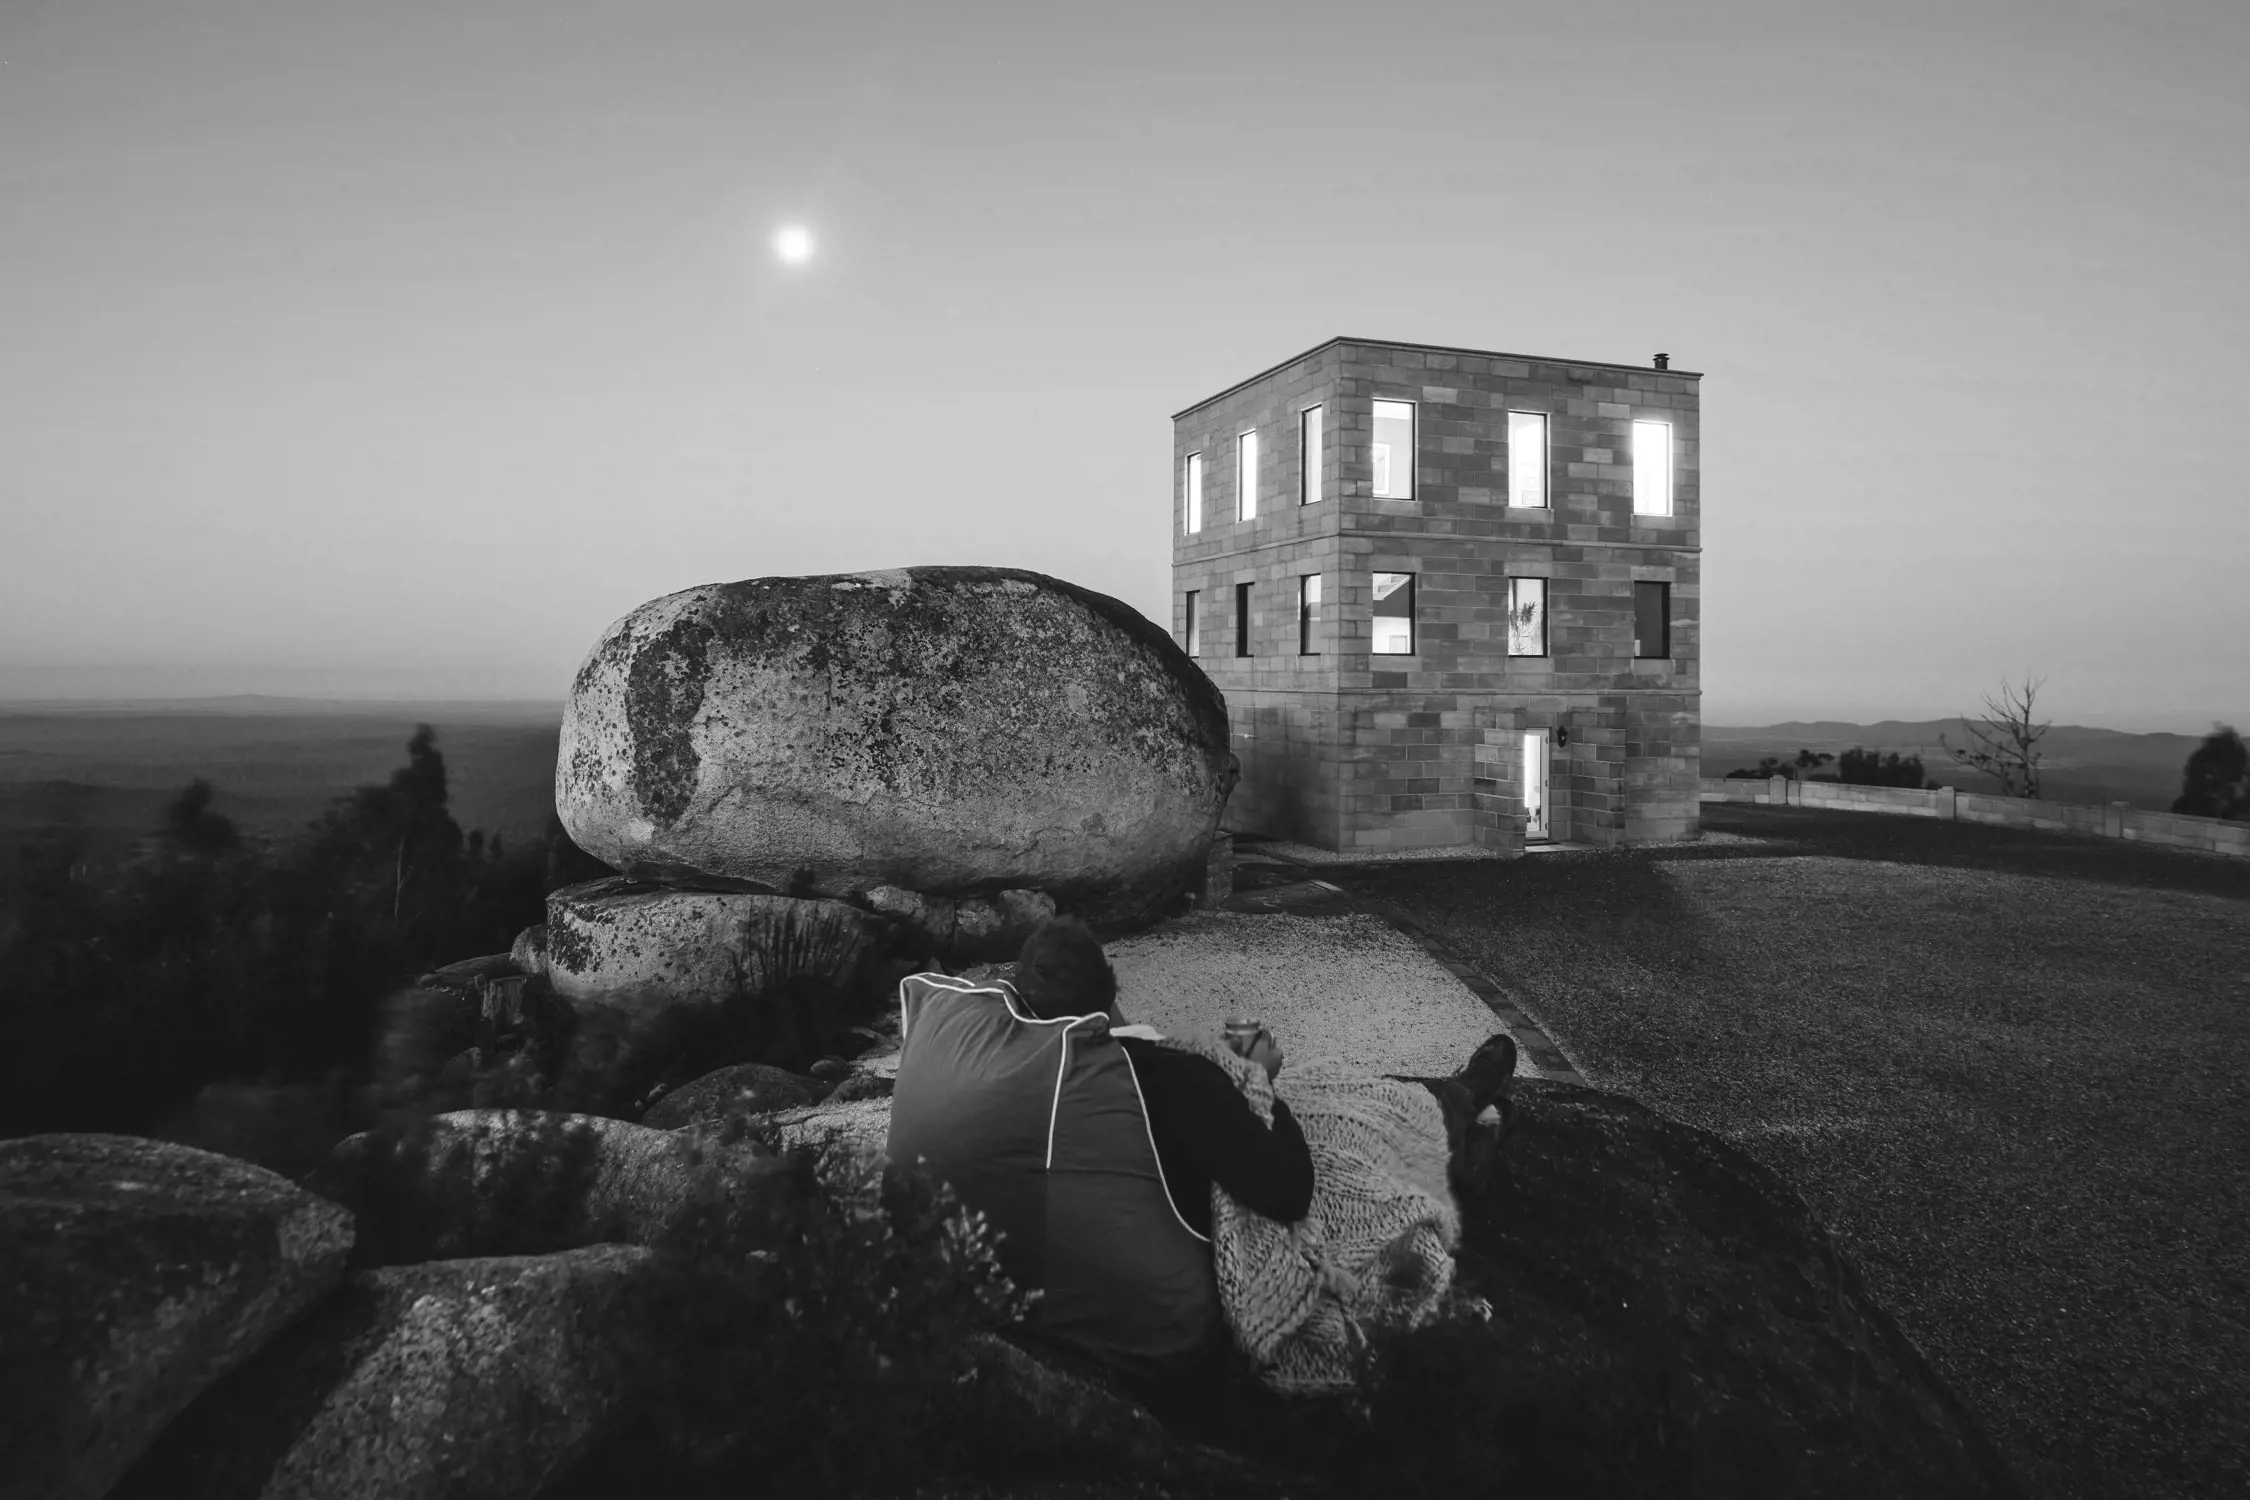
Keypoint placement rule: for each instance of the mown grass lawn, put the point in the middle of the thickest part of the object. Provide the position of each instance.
(2012, 1070)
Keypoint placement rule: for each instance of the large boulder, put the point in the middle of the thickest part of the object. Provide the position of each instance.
(458, 1380)
(133, 1274)
(1666, 1318)
(528, 1182)
(952, 731)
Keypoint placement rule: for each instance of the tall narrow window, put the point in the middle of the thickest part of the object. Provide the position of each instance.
(1242, 619)
(1527, 617)
(1246, 476)
(1394, 614)
(1195, 492)
(1652, 620)
(1189, 628)
(1652, 468)
(1392, 450)
(1308, 452)
(1527, 460)
(1308, 614)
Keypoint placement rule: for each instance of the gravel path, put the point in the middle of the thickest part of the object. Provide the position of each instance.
(2021, 1097)
(1331, 989)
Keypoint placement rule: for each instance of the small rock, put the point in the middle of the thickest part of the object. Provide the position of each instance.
(830, 1068)
(529, 952)
(745, 1089)
(862, 1086)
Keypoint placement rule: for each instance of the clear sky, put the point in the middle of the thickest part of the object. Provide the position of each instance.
(403, 347)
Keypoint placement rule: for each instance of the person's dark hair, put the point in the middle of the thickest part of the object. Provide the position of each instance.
(1062, 971)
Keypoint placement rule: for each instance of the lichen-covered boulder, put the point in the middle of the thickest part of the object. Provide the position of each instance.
(661, 979)
(953, 731)
(133, 1274)
(531, 1182)
(461, 1378)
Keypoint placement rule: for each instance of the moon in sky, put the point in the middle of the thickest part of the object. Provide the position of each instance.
(793, 244)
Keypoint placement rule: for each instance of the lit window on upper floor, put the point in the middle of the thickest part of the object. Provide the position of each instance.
(1391, 449)
(1527, 460)
(1394, 615)
(1308, 455)
(1652, 468)
(1195, 492)
(1246, 477)
(1527, 617)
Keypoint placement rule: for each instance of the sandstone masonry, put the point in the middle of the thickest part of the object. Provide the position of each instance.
(1354, 749)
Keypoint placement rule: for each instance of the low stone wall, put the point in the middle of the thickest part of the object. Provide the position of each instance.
(2118, 820)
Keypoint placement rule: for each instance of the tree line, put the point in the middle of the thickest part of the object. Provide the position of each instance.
(207, 956)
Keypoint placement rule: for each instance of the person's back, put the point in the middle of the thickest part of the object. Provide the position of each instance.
(1093, 1154)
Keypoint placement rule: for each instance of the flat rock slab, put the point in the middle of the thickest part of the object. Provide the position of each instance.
(133, 1274)
(1349, 990)
(458, 1380)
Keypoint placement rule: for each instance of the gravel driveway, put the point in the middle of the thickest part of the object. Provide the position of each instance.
(2012, 1071)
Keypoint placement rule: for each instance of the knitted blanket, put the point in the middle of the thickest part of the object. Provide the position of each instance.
(1376, 1251)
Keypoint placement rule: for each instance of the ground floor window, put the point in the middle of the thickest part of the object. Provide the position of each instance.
(1308, 615)
(1188, 630)
(1394, 614)
(1652, 620)
(1242, 619)
(1527, 617)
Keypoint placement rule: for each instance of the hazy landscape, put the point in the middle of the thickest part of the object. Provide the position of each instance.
(110, 768)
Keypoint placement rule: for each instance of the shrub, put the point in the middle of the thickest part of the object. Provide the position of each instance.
(2215, 782)
(838, 1363)
(1861, 767)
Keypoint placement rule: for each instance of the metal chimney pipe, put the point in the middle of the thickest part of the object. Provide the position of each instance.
(1664, 361)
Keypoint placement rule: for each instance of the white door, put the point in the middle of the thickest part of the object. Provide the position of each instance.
(1535, 784)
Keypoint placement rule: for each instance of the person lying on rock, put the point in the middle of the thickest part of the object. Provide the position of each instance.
(1093, 1147)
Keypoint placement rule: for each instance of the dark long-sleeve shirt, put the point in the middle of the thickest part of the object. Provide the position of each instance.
(1206, 1132)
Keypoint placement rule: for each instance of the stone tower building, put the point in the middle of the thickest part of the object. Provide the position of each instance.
(1450, 595)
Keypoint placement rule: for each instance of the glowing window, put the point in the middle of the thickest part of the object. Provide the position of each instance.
(1394, 614)
(1527, 460)
(1246, 476)
(1392, 450)
(1652, 468)
(1195, 492)
(1308, 451)
(1527, 617)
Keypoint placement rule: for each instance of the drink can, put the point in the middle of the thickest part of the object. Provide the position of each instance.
(1241, 1036)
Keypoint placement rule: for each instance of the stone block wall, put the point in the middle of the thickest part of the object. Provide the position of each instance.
(1351, 750)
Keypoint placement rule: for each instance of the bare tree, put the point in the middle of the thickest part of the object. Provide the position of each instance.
(2001, 745)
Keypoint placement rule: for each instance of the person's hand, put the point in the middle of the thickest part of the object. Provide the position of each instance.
(1267, 1054)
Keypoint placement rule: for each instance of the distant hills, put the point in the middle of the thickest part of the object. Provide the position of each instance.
(2077, 764)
